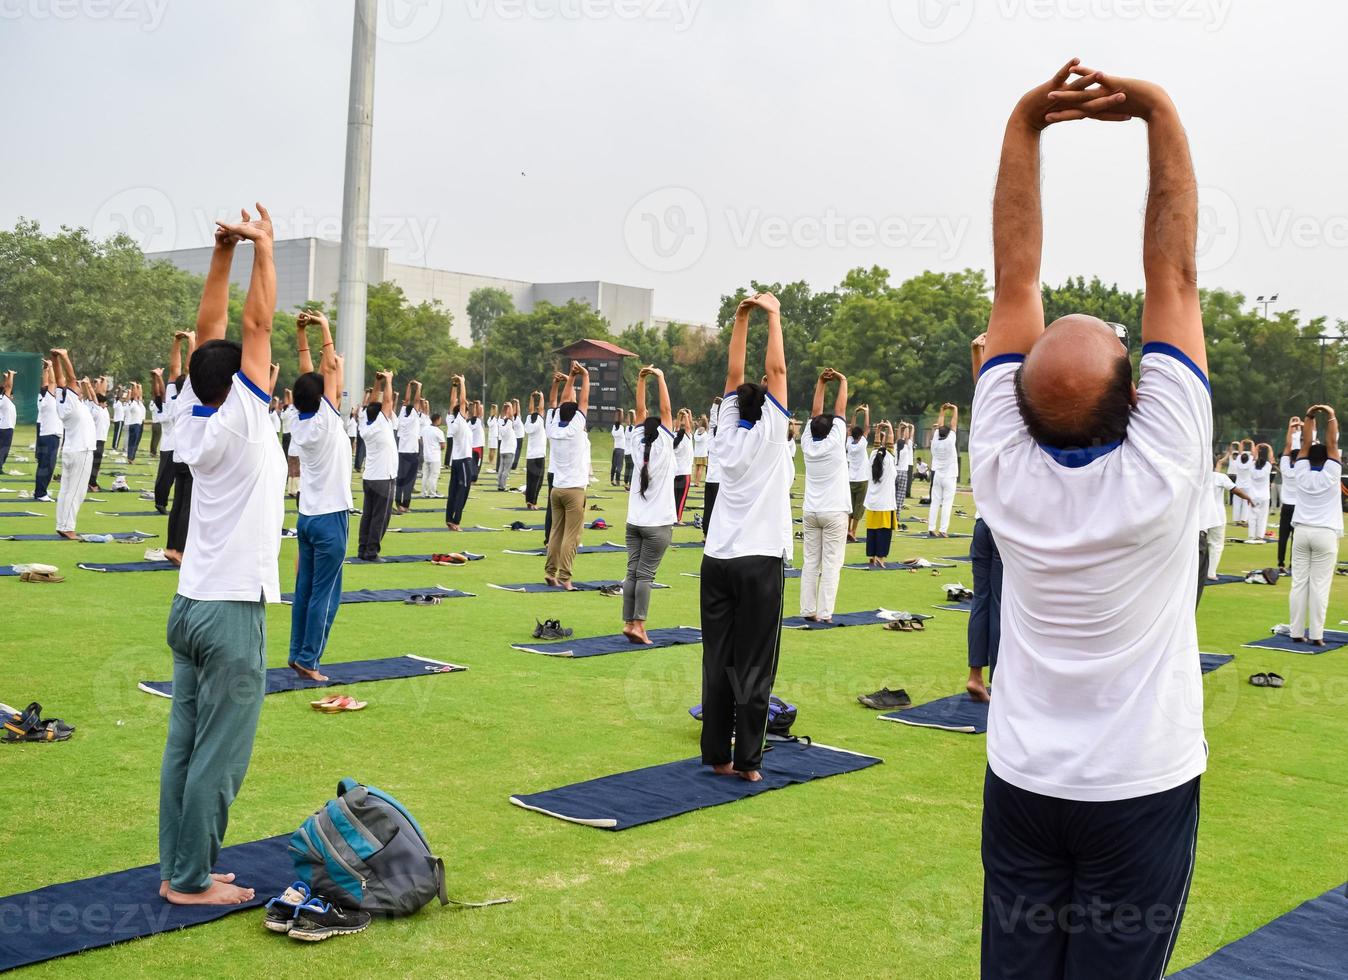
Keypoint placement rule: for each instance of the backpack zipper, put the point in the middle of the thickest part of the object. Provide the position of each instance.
(337, 856)
(375, 843)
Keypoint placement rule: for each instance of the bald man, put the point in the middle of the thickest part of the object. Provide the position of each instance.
(1093, 487)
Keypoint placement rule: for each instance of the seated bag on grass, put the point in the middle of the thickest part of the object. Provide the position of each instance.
(364, 851)
(1262, 576)
(781, 716)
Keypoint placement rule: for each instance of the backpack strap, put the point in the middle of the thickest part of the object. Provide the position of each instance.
(446, 900)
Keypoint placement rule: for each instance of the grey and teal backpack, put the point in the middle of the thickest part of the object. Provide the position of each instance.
(363, 850)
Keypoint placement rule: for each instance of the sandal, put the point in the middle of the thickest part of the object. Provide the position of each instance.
(342, 703)
(1275, 680)
(1259, 680)
(900, 625)
(30, 726)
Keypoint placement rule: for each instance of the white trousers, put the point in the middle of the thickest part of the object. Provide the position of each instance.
(942, 502)
(75, 470)
(1216, 545)
(430, 475)
(1258, 515)
(1237, 509)
(1315, 550)
(825, 545)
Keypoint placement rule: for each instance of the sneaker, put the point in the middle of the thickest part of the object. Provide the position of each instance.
(885, 698)
(154, 554)
(551, 629)
(316, 920)
(612, 590)
(47, 498)
(281, 909)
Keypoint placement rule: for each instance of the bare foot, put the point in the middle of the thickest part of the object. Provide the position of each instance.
(226, 878)
(307, 674)
(550, 581)
(977, 691)
(567, 586)
(454, 527)
(753, 776)
(218, 893)
(176, 557)
(725, 769)
(68, 535)
(639, 634)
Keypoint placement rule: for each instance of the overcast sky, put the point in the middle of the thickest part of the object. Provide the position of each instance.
(687, 145)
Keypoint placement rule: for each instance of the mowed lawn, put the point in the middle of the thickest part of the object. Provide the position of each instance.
(870, 874)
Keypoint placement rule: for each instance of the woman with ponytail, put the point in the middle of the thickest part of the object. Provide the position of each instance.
(650, 504)
(1260, 490)
(880, 503)
(683, 460)
(828, 501)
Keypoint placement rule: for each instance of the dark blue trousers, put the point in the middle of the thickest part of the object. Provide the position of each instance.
(318, 584)
(985, 621)
(47, 447)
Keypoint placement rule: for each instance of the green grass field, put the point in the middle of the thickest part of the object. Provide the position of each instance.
(867, 874)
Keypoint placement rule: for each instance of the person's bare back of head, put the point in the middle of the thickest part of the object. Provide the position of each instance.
(1075, 389)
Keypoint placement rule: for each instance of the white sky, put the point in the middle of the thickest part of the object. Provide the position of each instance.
(775, 139)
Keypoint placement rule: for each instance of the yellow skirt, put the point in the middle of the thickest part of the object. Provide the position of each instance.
(879, 520)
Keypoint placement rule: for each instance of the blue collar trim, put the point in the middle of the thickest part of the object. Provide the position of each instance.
(305, 416)
(1077, 458)
(745, 425)
(253, 388)
(203, 411)
(999, 360)
(1170, 350)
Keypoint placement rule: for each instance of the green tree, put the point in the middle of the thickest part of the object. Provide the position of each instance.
(486, 306)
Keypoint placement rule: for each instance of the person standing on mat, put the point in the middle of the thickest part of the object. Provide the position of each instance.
(827, 507)
(432, 448)
(77, 448)
(180, 512)
(881, 519)
(1093, 487)
(985, 614)
(744, 560)
(217, 628)
(1242, 469)
(535, 452)
(117, 409)
(1260, 490)
(135, 422)
(408, 423)
(1318, 471)
(506, 444)
(161, 395)
(156, 422)
(493, 433)
(49, 432)
(319, 436)
(712, 485)
(651, 512)
(903, 466)
(478, 431)
(549, 416)
(701, 436)
(618, 430)
(1288, 501)
(858, 467)
(945, 467)
(683, 460)
(98, 411)
(571, 454)
(461, 454)
(381, 468)
(9, 415)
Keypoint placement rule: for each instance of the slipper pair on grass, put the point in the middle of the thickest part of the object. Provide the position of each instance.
(1267, 680)
(335, 703)
(453, 558)
(29, 726)
(422, 599)
(48, 574)
(909, 624)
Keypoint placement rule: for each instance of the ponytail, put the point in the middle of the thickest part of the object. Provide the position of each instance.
(878, 464)
(648, 436)
(678, 437)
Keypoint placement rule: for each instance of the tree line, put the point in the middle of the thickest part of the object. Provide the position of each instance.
(903, 345)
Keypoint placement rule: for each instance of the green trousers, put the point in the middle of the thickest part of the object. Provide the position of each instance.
(219, 678)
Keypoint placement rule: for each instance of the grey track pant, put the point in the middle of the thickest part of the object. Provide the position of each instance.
(646, 547)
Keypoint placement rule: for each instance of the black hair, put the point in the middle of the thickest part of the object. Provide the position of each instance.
(878, 464)
(944, 431)
(821, 425)
(372, 411)
(566, 411)
(751, 398)
(650, 431)
(212, 369)
(857, 433)
(435, 418)
(900, 444)
(308, 392)
(680, 435)
(1244, 457)
(1264, 458)
(101, 398)
(1105, 422)
(1318, 454)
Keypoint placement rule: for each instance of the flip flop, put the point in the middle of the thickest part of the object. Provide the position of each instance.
(1275, 680)
(323, 702)
(343, 703)
(1259, 680)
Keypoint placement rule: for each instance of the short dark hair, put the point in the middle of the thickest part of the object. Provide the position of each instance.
(751, 398)
(1103, 423)
(1318, 454)
(858, 432)
(821, 425)
(435, 418)
(566, 411)
(308, 391)
(212, 369)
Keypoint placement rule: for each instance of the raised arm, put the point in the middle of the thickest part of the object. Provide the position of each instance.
(641, 395)
(8, 384)
(954, 417)
(583, 384)
(774, 360)
(978, 353)
(666, 410)
(260, 303)
(302, 341)
(273, 372)
(840, 402)
(331, 364)
(739, 342)
(213, 310)
(817, 406)
(176, 356)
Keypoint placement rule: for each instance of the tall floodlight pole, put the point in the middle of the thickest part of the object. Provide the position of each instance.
(351, 284)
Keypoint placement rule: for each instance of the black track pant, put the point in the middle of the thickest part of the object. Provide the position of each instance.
(533, 479)
(741, 637)
(181, 509)
(408, 464)
(375, 511)
(547, 519)
(1084, 891)
(708, 502)
(359, 463)
(460, 480)
(615, 466)
(680, 495)
(93, 471)
(1285, 532)
(628, 463)
(163, 480)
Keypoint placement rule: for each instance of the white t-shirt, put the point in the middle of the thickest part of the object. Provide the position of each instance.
(535, 429)
(571, 453)
(1289, 486)
(493, 431)
(1242, 470)
(102, 420)
(289, 414)
(352, 427)
(880, 495)
(700, 439)
(135, 413)
(410, 422)
(548, 416)
(753, 505)
(1259, 481)
(945, 459)
(78, 423)
(506, 439)
(49, 414)
(905, 459)
(432, 442)
(619, 433)
(118, 410)
(1214, 506)
(1319, 501)
(476, 426)
(631, 438)
(826, 470)
(683, 455)
(381, 446)
(319, 439)
(274, 418)
(858, 460)
(656, 508)
(8, 412)
(238, 496)
(1099, 695)
(166, 439)
(713, 463)
(461, 435)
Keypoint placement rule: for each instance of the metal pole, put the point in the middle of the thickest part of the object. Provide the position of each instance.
(351, 287)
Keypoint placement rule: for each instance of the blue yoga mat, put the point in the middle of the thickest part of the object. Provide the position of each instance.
(964, 607)
(1225, 579)
(1307, 943)
(963, 558)
(280, 679)
(1211, 661)
(957, 713)
(870, 617)
(532, 587)
(630, 799)
(7, 570)
(18, 513)
(116, 536)
(923, 534)
(389, 595)
(440, 530)
(94, 912)
(897, 566)
(598, 646)
(1333, 640)
(128, 566)
(405, 559)
(129, 513)
(607, 547)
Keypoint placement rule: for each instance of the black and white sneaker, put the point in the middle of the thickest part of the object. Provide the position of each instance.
(886, 699)
(316, 920)
(281, 909)
(612, 590)
(551, 629)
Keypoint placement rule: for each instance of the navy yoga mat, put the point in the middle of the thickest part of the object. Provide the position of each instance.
(899, 566)
(129, 513)
(389, 595)
(405, 559)
(607, 547)
(18, 513)
(923, 534)
(1333, 640)
(964, 607)
(281, 679)
(1225, 579)
(598, 646)
(128, 566)
(957, 713)
(870, 617)
(579, 586)
(439, 530)
(1211, 661)
(964, 558)
(116, 536)
(630, 799)
(94, 912)
(1308, 942)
